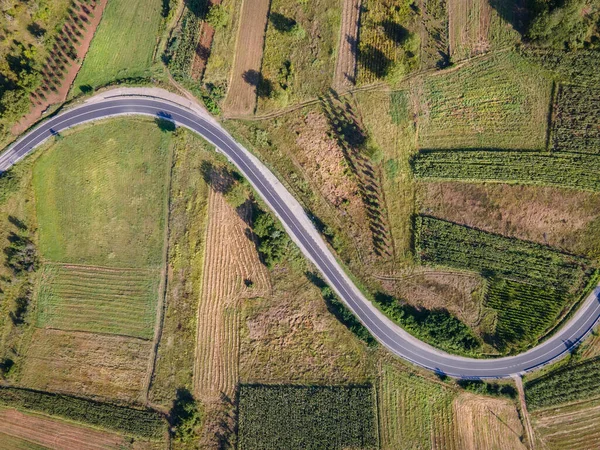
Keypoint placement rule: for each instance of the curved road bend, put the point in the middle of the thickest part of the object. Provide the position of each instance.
(307, 238)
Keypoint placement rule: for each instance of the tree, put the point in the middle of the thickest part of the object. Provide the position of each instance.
(218, 16)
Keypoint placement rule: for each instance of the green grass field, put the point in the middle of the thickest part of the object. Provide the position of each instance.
(123, 45)
(414, 412)
(100, 195)
(299, 54)
(306, 417)
(119, 301)
(497, 102)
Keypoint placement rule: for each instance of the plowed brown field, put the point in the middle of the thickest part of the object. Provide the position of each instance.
(345, 66)
(87, 364)
(231, 261)
(241, 96)
(54, 434)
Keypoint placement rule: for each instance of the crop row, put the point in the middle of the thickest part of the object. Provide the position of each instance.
(143, 423)
(572, 170)
(577, 382)
(579, 66)
(182, 47)
(525, 312)
(577, 124)
(448, 244)
(307, 417)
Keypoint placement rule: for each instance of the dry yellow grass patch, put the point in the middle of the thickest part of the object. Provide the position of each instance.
(87, 364)
(487, 423)
(232, 270)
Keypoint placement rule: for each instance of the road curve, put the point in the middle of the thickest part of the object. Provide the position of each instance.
(304, 234)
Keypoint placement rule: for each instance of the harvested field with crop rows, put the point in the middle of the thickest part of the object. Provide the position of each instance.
(232, 270)
(98, 299)
(345, 65)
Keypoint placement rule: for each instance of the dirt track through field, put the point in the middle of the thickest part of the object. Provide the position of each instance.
(230, 265)
(345, 66)
(241, 96)
(55, 434)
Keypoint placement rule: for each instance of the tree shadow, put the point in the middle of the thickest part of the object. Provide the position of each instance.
(198, 7)
(282, 23)
(252, 77)
(518, 13)
(36, 30)
(86, 88)
(374, 60)
(395, 32)
(165, 124)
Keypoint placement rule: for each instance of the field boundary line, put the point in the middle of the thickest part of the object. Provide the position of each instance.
(164, 280)
(525, 413)
(102, 268)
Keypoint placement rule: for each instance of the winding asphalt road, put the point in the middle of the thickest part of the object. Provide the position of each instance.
(307, 238)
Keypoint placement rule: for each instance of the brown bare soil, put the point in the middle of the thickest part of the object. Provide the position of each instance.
(55, 434)
(241, 96)
(207, 33)
(469, 26)
(88, 364)
(232, 271)
(557, 217)
(41, 100)
(487, 423)
(458, 292)
(574, 426)
(345, 66)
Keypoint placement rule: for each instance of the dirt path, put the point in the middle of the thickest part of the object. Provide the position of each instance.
(55, 434)
(526, 418)
(345, 67)
(241, 96)
(43, 99)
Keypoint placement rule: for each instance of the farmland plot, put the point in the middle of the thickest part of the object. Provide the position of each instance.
(232, 270)
(245, 76)
(415, 412)
(98, 299)
(345, 66)
(576, 126)
(574, 426)
(130, 26)
(306, 417)
(388, 45)
(115, 366)
(497, 102)
(43, 432)
(475, 27)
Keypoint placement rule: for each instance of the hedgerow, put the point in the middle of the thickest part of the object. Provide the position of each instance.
(571, 170)
(306, 417)
(142, 423)
(571, 383)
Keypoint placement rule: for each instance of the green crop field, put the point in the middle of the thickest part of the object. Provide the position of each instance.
(124, 44)
(142, 423)
(580, 67)
(445, 243)
(571, 170)
(100, 195)
(525, 312)
(577, 124)
(306, 417)
(500, 102)
(574, 382)
(97, 299)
